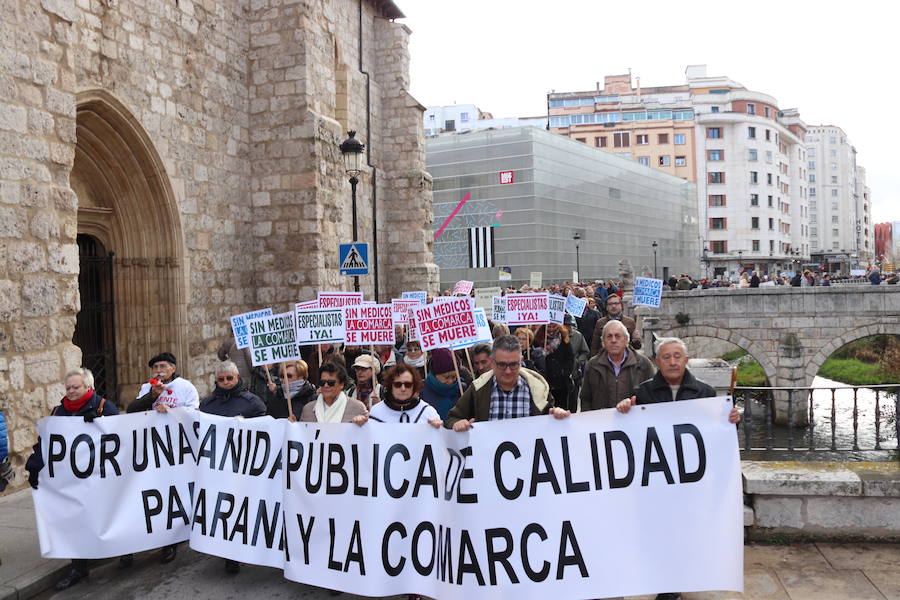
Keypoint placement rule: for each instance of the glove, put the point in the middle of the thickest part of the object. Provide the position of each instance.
(33, 479)
(90, 416)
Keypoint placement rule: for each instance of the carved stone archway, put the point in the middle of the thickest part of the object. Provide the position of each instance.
(126, 202)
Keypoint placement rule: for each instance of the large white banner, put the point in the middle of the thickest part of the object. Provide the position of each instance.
(600, 504)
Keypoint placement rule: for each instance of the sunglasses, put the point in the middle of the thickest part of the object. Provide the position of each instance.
(504, 366)
(328, 382)
(402, 384)
(289, 376)
(226, 378)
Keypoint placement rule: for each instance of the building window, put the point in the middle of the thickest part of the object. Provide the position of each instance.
(715, 155)
(771, 224)
(600, 142)
(813, 219)
(751, 109)
(754, 177)
(766, 110)
(751, 133)
(768, 135)
(832, 140)
(834, 219)
(771, 245)
(754, 199)
(718, 223)
(811, 152)
(714, 109)
(463, 117)
(450, 125)
(582, 140)
(834, 206)
(834, 192)
(812, 177)
(769, 156)
(716, 177)
(620, 139)
(665, 161)
(718, 247)
(662, 138)
(756, 245)
(833, 166)
(714, 133)
(680, 161)
(812, 192)
(644, 160)
(835, 245)
(834, 179)
(770, 201)
(717, 200)
(680, 139)
(642, 139)
(812, 165)
(769, 178)
(813, 231)
(812, 205)
(752, 154)
(832, 153)
(754, 222)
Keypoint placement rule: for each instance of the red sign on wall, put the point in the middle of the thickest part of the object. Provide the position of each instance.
(507, 177)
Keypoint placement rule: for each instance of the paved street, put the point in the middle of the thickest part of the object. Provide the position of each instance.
(791, 572)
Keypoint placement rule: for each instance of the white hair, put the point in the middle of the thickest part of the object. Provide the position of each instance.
(86, 377)
(620, 325)
(671, 340)
(227, 367)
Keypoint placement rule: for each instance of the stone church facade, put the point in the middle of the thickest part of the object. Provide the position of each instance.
(165, 164)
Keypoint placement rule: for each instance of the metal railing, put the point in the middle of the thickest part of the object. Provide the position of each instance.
(797, 423)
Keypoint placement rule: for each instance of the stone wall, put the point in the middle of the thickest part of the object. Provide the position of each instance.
(196, 139)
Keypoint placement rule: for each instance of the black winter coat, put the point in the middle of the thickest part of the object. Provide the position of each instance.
(236, 402)
(278, 407)
(657, 389)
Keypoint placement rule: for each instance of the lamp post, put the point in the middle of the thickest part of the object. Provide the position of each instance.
(655, 246)
(740, 261)
(352, 150)
(577, 236)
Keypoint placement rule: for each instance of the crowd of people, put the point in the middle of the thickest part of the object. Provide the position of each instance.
(588, 363)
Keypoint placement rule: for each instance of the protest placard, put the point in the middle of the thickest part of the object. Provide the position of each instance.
(647, 292)
(319, 326)
(463, 288)
(499, 309)
(574, 305)
(504, 274)
(400, 309)
(536, 280)
(442, 324)
(527, 309)
(413, 333)
(422, 297)
(306, 305)
(482, 332)
(339, 299)
(273, 339)
(557, 305)
(239, 326)
(369, 324)
(484, 297)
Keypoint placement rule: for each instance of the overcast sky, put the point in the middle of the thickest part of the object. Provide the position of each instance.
(835, 61)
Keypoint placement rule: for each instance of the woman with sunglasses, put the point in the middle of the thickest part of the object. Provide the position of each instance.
(332, 405)
(401, 402)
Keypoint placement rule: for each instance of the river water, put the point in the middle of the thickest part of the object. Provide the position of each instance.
(829, 432)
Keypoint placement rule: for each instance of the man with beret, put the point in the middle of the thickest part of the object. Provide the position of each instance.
(166, 389)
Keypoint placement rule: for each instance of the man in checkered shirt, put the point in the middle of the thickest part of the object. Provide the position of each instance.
(507, 391)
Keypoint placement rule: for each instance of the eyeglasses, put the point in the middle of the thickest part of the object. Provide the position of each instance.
(402, 384)
(289, 376)
(226, 378)
(507, 366)
(328, 382)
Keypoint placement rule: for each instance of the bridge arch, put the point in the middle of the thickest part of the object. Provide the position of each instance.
(850, 334)
(733, 337)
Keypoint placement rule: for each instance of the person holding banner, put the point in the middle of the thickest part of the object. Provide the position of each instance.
(401, 401)
(614, 313)
(508, 391)
(367, 390)
(442, 389)
(614, 371)
(301, 391)
(332, 405)
(415, 357)
(81, 400)
(167, 389)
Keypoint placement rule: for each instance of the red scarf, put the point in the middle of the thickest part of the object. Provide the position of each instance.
(73, 406)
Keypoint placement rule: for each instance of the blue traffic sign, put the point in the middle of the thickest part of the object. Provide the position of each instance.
(354, 258)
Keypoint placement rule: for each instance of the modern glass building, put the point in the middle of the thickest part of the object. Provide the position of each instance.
(536, 201)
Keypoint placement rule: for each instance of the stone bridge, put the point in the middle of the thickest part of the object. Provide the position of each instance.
(789, 330)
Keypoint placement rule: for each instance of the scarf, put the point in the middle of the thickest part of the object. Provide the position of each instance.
(415, 362)
(333, 413)
(442, 389)
(553, 342)
(73, 406)
(395, 405)
(295, 386)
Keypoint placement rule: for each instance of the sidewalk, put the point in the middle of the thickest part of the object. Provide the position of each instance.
(785, 572)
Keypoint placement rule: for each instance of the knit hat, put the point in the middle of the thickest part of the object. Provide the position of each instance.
(367, 361)
(163, 357)
(441, 361)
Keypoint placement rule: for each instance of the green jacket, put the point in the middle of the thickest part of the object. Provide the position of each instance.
(475, 403)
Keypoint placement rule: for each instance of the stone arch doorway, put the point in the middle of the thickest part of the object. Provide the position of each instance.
(126, 204)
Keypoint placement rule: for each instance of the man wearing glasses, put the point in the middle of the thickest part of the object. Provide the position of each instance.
(508, 391)
(614, 313)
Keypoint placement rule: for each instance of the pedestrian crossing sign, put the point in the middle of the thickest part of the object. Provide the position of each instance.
(354, 258)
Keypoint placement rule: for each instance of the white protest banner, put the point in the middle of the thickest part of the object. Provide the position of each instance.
(520, 509)
(238, 490)
(484, 296)
(647, 292)
(413, 329)
(273, 339)
(115, 486)
(339, 299)
(306, 305)
(400, 309)
(527, 309)
(463, 288)
(857, 272)
(536, 280)
(369, 324)
(557, 306)
(239, 326)
(574, 305)
(483, 332)
(319, 326)
(499, 309)
(441, 324)
(422, 297)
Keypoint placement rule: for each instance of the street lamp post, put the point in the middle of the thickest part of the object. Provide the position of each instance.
(352, 150)
(577, 236)
(740, 261)
(655, 246)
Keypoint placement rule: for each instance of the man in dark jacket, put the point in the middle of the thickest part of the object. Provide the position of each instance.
(614, 312)
(615, 371)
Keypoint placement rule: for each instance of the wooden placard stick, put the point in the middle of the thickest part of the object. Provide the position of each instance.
(469, 360)
(456, 368)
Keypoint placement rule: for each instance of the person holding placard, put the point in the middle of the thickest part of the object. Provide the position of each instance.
(532, 356)
(401, 401)
(332, 405)
(81, 400)
(415, 357)
(367, 389)
(294, 375)
(441, 389)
